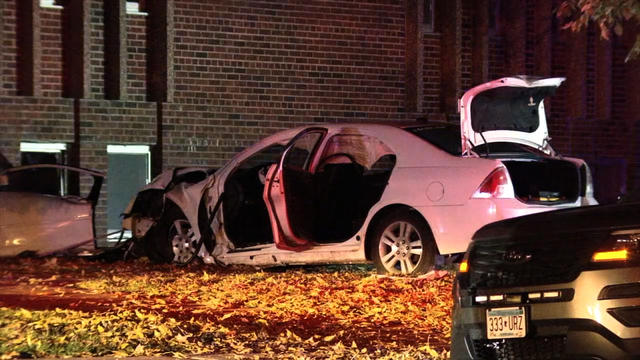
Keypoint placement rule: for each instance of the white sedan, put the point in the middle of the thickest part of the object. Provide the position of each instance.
(352, 193)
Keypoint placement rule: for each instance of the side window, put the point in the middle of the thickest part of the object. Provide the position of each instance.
(299, 155)
(365, 150)
(47, 181)
(50, 181)
(267, 156)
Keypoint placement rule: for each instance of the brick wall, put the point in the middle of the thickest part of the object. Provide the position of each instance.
(51, 42)
(9, 54)
(431, 73)
(246, 69)
(136, 57)
(33, 119)
(467, 44)
(96, 59)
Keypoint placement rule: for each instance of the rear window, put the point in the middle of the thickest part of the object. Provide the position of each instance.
(444, 137)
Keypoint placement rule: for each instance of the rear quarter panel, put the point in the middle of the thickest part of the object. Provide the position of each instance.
(442, 192)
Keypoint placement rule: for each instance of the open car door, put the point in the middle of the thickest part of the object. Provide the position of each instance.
(41, 217)
(288, 192)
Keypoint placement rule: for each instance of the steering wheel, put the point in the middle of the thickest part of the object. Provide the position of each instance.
(325, 160)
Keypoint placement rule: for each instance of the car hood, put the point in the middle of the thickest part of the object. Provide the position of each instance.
(594, 219)
(510, 109)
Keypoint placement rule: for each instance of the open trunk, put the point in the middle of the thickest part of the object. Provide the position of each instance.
(545, 181)
(510, 109)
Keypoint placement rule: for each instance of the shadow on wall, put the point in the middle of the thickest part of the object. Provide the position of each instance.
(4, 163)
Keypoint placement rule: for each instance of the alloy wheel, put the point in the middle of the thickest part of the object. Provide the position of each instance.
(400, 248)
(183, 241)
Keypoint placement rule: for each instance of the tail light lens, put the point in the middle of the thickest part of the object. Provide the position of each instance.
(623, 245)
(464, 264)
(497, 186)
(615, 255)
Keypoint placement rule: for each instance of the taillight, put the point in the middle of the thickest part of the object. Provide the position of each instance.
(614, 255)
(623, 245)
(464, 264)
(497, 185)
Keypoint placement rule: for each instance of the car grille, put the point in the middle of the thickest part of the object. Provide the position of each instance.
(538, 348)
(495, 264)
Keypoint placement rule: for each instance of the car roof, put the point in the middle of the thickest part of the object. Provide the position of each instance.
(405, 124)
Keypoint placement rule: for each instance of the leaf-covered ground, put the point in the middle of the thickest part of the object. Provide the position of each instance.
(73, 307)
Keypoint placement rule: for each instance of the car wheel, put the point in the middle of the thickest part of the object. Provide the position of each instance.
(172, 239)
(403, 244)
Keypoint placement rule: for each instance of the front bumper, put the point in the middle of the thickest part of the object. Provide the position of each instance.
(578, 326)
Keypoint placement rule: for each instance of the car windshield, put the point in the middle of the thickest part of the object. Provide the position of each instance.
(443, 136)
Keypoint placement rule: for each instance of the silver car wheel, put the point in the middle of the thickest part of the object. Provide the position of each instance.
(183, 241)
(400, 248)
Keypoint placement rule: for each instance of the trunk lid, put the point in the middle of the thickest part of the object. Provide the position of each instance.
(510, 109)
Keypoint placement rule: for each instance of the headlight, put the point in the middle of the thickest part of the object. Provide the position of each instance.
(623, 245)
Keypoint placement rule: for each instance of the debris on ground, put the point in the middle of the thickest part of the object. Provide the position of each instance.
(55, 307)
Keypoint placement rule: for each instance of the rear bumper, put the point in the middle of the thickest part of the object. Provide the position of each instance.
(579, 327)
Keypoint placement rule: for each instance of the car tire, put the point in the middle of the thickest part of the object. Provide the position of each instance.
(172, 239)
(402, 244)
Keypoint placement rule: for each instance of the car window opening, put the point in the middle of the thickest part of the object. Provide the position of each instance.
(331, 204)
(245, 213)
(445, 137)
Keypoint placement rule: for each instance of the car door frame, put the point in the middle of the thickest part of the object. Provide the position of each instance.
(274, 195)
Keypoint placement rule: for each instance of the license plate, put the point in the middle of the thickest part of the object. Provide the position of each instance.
(503, 323)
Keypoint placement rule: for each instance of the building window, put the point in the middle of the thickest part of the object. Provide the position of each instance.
(129, 167)
(428, 16)
(42, 153)
(51, 4)
(49, 180)
(136, 8)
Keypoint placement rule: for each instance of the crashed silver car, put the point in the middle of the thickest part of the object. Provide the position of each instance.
(38, 216)
(395, 195)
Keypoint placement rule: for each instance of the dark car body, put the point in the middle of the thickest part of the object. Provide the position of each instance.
(563, 284)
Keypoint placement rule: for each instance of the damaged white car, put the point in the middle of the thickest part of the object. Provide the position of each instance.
(351, 193)
(37, 214)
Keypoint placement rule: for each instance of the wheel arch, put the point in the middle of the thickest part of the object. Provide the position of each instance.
(368, 242)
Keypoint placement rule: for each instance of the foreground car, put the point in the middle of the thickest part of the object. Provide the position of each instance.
(38, 216)
(556, 285)
(344, 193)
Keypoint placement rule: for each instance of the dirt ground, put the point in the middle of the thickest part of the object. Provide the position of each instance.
(55, 307)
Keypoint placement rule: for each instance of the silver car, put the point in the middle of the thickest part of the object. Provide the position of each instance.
(39, 216)
(564, 284)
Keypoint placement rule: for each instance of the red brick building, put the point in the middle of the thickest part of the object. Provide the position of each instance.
(198, 80)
